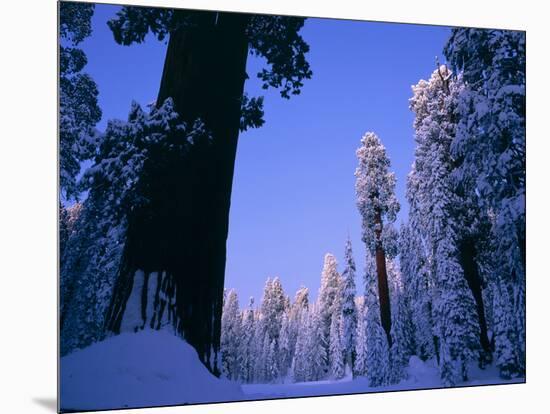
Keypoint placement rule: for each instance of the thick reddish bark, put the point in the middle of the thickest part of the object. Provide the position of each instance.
(184, 229)
(382, 275)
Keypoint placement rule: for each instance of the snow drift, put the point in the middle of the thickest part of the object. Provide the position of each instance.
(139, 369)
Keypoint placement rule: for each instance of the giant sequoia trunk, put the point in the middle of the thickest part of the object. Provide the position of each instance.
(382, 275)
(175, 255)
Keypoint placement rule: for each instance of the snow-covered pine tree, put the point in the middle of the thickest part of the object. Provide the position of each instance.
(455, 314)
(316, 347)
(272, 308)
(259, 356)
(231, 336)
(284, 356)
(79, 111)
(337, 363)
(298, 311)
(349, 315)
(378, 206)
(328, 303)
(490, 150)
(417, 283)
(360, 341)
(403, 345)
(247, 349)
(300, 368)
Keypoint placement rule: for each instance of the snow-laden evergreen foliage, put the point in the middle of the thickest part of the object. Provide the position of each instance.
(116, 185)
(417, 285)
(375, 189)
(454, 310)
(328, 303)
(403, 344)
(231, 337)
(360, 342)
(349, 314)
(336, 352)
(78, 108)
(490, 153)
(247, 349)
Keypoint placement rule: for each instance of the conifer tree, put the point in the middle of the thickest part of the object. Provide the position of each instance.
(317, 349)
(329, 303)
(349, 316)
(378, 206)
(231, 336)
(247, 349)
(298, 312)
(300, 367)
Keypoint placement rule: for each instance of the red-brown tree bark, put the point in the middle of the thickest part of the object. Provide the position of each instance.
(382, 276)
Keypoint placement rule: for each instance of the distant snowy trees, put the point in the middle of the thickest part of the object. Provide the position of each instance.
(329, 305)
(349, 310)
(293, 341)
(450, 285)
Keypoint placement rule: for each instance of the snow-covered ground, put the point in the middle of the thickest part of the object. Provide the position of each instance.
(155, 368)
(139, 369)
(422, 375)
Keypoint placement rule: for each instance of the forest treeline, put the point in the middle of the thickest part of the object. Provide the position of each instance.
(449, 285)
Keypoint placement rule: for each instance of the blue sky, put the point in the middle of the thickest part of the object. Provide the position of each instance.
(293, 191)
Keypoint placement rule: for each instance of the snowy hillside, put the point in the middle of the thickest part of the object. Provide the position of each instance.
(136, 370)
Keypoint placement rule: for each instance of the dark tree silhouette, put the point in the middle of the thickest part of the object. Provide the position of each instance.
(183, 228)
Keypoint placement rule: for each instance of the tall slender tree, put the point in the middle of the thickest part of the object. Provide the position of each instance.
(349, 314)
(328, 303)
(231, 336)
(378, 206)
(247, 348)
